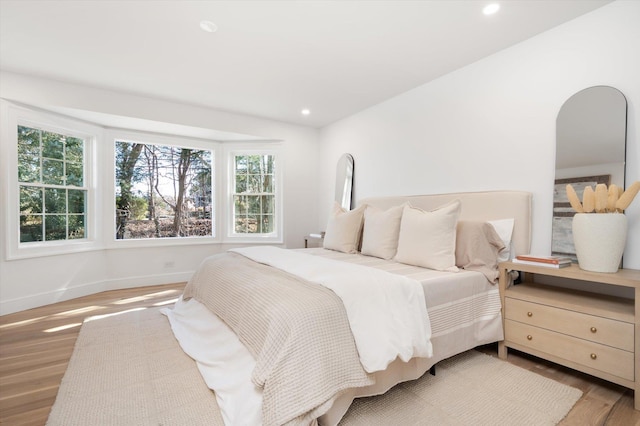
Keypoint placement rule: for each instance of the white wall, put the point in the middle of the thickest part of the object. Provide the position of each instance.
(27, 283)
(491, 125)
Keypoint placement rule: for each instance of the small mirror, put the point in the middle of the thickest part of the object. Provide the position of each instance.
(344, 181)
(591, 138)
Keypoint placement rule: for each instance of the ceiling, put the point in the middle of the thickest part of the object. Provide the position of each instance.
(267, 59)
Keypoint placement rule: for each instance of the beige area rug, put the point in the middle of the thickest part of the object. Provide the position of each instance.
(128, 369)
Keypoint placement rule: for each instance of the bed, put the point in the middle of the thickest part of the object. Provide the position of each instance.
(277, 348)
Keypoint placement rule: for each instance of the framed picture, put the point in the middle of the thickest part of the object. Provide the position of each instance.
(562, 235)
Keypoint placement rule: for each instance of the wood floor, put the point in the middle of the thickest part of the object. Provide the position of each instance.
(35, 347)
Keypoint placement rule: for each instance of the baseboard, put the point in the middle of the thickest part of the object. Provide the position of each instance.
(47, 298)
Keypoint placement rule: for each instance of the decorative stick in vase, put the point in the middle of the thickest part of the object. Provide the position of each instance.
(599, 239)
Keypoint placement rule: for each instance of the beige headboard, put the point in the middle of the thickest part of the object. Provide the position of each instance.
(489, 205)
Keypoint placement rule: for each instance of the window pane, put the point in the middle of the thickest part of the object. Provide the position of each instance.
(74, 174)
(30, 200)
(76, 201)
(74, 150)
(240, 202)
(30, 228)
(267, 223)
(241, 184)
(241, 164)
(28, 169)
(55, 200)
(254, 164)
(267, 204)
(253, 184)
(28, 154)
(151, 180)
(52, 145)
(241, 225)
(28, 141)
(52, 172)
(267, 183)
(268, 164)
(76, 227)
(55, 227)
(253, 224)
(254, 204)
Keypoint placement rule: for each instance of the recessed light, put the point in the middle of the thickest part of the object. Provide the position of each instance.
(490, 9)
(305, 112)
(208, 26)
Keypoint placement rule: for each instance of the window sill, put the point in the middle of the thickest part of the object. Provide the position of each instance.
(45, 250)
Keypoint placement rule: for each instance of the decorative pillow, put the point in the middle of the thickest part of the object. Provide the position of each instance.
(343, 230)
(477, 247)
(504, 228)
(381, 231)
(428, 239)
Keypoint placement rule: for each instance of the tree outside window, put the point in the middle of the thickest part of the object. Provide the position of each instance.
(162, 191)
(254, 194)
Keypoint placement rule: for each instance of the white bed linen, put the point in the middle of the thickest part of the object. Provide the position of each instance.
(464, 311)
(224, 362)
(393, 323)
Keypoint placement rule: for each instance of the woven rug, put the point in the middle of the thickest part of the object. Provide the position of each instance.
(128, 369)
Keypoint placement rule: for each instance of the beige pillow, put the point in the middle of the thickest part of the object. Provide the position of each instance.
(343, 230)
(428, 238)
(477, 248)
(381, 231)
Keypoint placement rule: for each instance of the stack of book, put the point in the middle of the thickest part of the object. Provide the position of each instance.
(545, 261)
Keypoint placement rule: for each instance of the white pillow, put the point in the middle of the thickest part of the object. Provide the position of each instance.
(504, 228)
(343, 229)
(428, 239)
(381, 231)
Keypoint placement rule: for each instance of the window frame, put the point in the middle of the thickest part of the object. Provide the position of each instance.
(15, 115)
(270, 148)
(133, 136)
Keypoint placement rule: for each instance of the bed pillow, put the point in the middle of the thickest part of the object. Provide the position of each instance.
(504, 228)
(381, 231)
(344, 229)
(428, 238)
(477, 248)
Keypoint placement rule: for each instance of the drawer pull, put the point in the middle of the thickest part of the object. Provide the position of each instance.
(593, 329)
(594, 356)
(529, 314)
(529, 337)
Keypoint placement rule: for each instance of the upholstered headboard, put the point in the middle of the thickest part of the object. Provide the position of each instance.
(480, 206)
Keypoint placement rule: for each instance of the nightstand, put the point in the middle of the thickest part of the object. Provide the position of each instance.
(590, 332)
(313, 241)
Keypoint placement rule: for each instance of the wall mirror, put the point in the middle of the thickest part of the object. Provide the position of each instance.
(344, 181)
(591, 134)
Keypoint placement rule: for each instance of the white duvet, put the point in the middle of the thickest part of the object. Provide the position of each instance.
(386, 312)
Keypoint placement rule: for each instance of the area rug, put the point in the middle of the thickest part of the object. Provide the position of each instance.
(128, 369)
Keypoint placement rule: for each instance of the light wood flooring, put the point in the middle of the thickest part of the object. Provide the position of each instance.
(35, 347)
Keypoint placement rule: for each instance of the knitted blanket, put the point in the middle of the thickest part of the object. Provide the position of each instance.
(297, 331)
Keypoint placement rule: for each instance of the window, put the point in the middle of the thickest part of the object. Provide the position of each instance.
(68, 191)
(52, 190)
(254, 195)
(162, 191)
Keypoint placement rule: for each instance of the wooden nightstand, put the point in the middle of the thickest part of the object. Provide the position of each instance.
(589, 332)
(313, 241)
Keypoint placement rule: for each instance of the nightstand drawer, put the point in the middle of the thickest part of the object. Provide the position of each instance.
(597, 329)
(614, 361)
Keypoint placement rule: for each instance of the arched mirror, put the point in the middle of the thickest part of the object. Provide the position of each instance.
(591, 134)
(344, 181)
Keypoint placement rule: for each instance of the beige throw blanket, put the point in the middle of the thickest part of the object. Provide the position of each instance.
(298, 332)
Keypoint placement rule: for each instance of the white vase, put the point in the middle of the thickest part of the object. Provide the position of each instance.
(599, 239)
